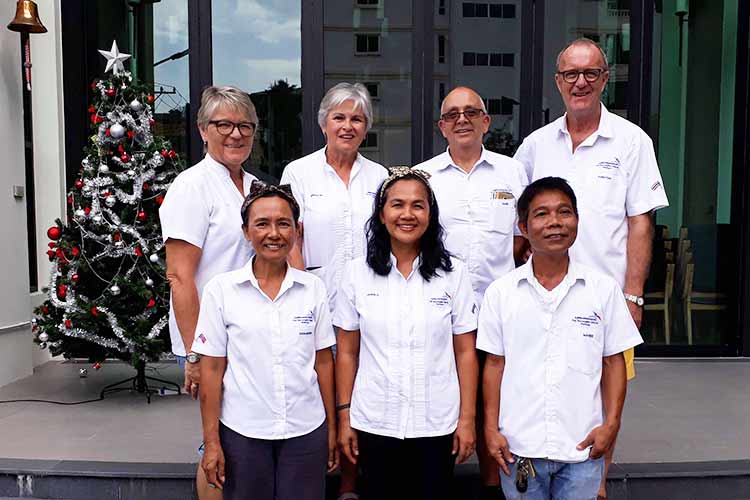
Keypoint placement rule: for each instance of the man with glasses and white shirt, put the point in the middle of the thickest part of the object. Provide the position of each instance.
(611, 165)
(476, 191)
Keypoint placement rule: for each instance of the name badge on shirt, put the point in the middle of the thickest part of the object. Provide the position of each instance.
(501, 194)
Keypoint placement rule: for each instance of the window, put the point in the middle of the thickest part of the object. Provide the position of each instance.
(496, 10)
(441, 49)
(470, 59)
(482, 59)
(441, 93)
(374, 89)
(371, 141)
(508, 60)
(367, 44)
(481, 10)
(493, 10)
(496, 59)
(493, 106)
(441, 8)
(509, 11)
(469, 9)
(367, 3)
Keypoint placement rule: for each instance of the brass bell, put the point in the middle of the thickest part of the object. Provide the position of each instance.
(27, 18)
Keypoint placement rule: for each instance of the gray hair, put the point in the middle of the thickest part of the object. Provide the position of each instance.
(346, 92)
(583, 41)
(232, 98)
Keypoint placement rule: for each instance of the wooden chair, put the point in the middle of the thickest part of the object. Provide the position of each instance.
(697, 300)
(663, 297)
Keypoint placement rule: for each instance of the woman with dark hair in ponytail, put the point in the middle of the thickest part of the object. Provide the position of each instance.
(406, 366)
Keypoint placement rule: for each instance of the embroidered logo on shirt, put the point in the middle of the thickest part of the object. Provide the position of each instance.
(591, 320)
(305, 319)
(656, 186)
(316, 195)
(372, 294)
(609, 165)
(202, 338)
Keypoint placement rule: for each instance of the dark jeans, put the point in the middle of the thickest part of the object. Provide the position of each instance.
(283, 469)
(406, 469)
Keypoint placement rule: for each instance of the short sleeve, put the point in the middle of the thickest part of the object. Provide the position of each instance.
(525, 154)
(523, 181)
(324, 335)
(490, 329)
(345, 314)
(184, 214)
(620, 332)
(290, 177)
(210, 331)
(464, 308)
(645, 186)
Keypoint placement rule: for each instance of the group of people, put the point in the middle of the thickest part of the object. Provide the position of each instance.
(393, 322)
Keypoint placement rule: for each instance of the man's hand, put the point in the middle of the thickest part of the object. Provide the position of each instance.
(600, 439)
(213, 465)
(636, 312)
(333, 449)
(464, 439)
(498, 448)
(347, 438)
(192, 379)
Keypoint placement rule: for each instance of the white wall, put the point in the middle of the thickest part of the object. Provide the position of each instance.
(15, 332)
(49, 140)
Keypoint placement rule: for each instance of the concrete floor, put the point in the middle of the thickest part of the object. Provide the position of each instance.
(677, 411)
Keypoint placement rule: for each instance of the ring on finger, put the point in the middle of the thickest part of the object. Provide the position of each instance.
(211, 485)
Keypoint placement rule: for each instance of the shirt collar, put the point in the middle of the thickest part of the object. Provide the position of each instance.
(603, 130)
(245, 274)
(355, 168)
(446, 161)
(574, 272)
(414, 265)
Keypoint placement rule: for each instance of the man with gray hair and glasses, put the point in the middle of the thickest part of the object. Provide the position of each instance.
(611, 165)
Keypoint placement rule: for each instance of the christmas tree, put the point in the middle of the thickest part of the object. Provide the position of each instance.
(108, 296)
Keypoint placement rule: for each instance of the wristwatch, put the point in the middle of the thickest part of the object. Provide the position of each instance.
(192, 357)
(634, 299)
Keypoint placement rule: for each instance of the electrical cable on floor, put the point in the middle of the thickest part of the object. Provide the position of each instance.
(64, 403)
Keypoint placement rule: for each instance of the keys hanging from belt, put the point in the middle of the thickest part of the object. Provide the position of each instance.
(524, 468)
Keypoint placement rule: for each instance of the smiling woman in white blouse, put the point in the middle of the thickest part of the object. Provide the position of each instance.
(406, 365)
(267, 387)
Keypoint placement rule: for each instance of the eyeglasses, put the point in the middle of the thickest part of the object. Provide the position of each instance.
(469, 113)
(590, 75)
(223, 127)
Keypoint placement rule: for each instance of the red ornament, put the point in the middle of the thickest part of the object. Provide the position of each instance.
(95, 119)
(105, 194)
(94, 311)
(92, 109)
(145, 186)
(172, 153)
(117, 237)
(51, 245)
(62, 291)
(151, 303)
(51, 255)
(97, 366)
(164, 153)
(87, 210)
(70, 200)
(150, 98)
(107, 133)
(45, 309)
(120, 148)
(79, 183)
(125, 158)
(151, 122)
(68, 323)
(131, 134)
(54, 233)
(159, 200)
(60, 253)
(93, 84)
(110, 92)
(75, 278)
(141, 216)
(138, 252)
(75, 251)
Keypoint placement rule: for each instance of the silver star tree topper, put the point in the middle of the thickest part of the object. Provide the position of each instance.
(114, 59)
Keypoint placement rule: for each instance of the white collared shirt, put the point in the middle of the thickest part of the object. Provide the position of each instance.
(478, 212)
(614, 175)
(333, 215)
(202, 207)
(407, 384)
(553, 343)
(270, 387)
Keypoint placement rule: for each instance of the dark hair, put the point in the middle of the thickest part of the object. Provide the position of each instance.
(259, 189)
(540, 186)
(431, 247)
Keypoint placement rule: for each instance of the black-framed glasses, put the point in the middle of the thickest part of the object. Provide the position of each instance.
(590, 75)
(469, 113)
(224, 127)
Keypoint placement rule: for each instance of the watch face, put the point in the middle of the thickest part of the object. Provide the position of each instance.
(192, 358)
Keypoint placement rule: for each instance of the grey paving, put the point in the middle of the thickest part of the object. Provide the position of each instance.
(677, 411)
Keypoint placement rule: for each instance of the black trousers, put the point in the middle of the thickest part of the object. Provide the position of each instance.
(406, 469)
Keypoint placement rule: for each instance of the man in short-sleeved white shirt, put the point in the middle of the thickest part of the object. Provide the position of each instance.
(555, 331)
(476, 190)
(202, 207)
(406, 327)
(333, 215)
(270, 387)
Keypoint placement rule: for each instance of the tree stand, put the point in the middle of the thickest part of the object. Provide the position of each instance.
(139, 384)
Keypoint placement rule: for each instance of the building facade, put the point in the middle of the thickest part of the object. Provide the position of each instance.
(678, 68)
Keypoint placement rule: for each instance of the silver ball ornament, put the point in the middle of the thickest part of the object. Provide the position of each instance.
(33, 321)
(130, 173)
(116, 131)
(135, 105)
(97, 219)
(103, 168)
(153, 258)
(115, 290)
(118, 244)
(110, 201)
(83, 372)
(80, 213)
(43, 345)
(149, 282)
(86, 189)
(43, 337)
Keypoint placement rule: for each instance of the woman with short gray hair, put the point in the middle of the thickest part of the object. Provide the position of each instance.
(201, 225)
(335, 187)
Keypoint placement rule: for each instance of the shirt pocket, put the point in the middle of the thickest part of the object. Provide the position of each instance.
(584, 346)
(605, 187)
(502, 214)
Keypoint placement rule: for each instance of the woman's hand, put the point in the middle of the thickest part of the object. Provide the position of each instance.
(464, 440)
(333, 448)
(347, 438)
(213, 464)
